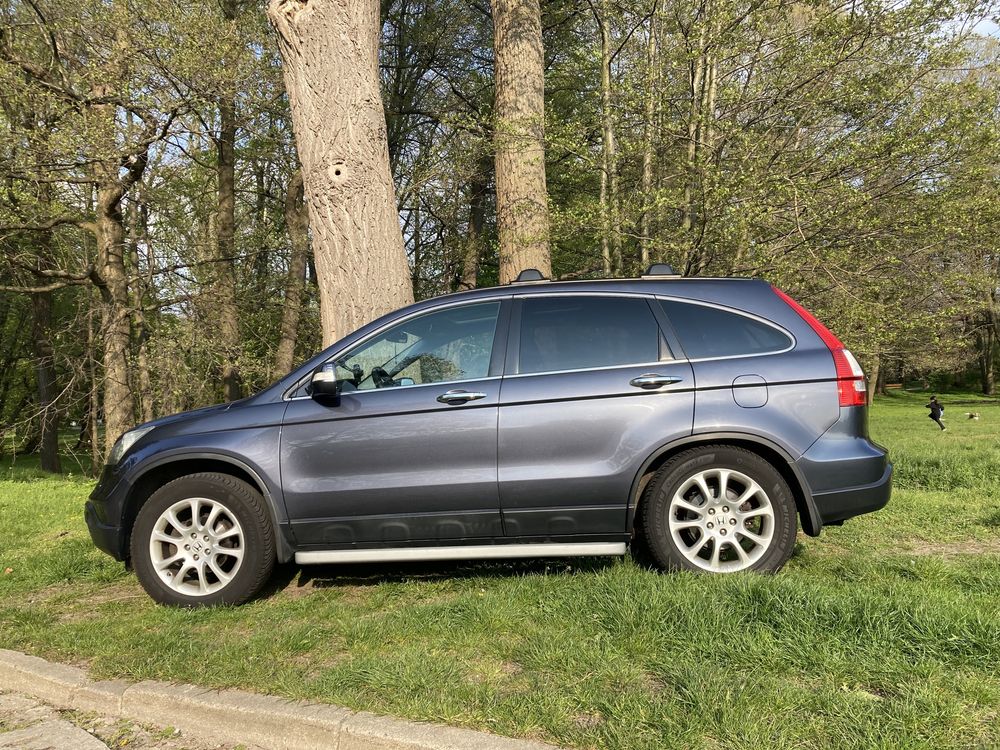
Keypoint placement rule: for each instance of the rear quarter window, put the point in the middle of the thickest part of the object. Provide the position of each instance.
(713, 332)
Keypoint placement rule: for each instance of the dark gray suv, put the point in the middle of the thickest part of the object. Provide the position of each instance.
(701, 418)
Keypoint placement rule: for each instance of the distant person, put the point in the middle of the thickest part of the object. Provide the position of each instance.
(936, 411)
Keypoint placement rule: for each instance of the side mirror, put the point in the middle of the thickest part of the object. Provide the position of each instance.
(325, 383)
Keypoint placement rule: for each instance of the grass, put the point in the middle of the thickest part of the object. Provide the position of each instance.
(882, 633)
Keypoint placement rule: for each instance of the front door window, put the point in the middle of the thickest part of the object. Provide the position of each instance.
(441, 347)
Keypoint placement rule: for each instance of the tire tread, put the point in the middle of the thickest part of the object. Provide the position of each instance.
(255, 504)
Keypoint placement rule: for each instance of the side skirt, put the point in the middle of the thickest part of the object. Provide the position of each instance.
(481, 552)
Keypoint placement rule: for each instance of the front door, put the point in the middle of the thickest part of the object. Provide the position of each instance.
(592, 391)
(408, 453)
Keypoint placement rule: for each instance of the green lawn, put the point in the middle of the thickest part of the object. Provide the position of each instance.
(882, 633)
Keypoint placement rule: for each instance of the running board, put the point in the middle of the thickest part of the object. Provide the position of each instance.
(482, 552)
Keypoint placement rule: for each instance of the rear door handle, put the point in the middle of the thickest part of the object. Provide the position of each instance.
(652, 380)
(460, 397)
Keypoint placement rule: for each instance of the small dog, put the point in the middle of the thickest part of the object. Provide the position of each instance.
(972, 414)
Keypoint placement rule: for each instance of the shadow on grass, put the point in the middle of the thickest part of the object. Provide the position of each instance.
(993, 521)
(373, 574)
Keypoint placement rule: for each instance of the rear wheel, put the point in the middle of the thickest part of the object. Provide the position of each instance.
(719, 509)
(201, 540)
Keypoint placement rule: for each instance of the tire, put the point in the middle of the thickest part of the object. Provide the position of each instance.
(225, 557)
(688, 526)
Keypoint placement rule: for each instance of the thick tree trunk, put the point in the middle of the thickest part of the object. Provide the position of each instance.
(330, 53)
(224, 274)
(297, 224)
(46, 376)
(522, 200)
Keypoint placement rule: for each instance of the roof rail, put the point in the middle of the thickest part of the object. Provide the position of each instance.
(528, 276)
(659, 270)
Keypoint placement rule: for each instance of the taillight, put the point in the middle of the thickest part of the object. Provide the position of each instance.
(850, 376)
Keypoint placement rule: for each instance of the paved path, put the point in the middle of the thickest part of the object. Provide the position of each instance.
(29, 724)
(60, 695)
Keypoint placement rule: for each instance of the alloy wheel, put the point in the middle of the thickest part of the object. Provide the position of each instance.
(197, 546)
(721, 520)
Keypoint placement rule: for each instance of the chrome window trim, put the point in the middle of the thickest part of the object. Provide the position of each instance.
(657, 363)
(397, 388)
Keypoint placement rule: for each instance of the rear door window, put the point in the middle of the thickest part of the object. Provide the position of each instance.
(577, 333)
(707, 332)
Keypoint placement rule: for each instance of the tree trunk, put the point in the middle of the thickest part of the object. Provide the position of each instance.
(46, 374)
(874, 363)
(44, 353)
(610, 231)
(479, 187)
(696, 91)
(297, 224)
(112, 276)
(142, 383)
(880, 388)
(522, 201)
(93, 403)
(986, 344)
(649, 136)
(119, 404)
(330, 54)
(224, 274)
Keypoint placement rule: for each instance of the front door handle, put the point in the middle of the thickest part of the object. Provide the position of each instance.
(651, 380)
(460, 397)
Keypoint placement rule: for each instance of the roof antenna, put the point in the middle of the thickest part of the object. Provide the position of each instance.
(529, 274)
(660, 269)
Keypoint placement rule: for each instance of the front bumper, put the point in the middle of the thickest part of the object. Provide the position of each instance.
(107, 538)
(104, 510)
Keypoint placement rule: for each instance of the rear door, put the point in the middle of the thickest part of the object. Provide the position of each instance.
(590, 390)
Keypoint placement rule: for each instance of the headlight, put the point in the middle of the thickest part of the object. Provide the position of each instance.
(125, 442)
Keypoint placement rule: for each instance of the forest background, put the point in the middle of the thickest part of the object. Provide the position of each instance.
(155, 245)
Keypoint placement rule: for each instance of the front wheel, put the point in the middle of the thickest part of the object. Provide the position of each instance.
(201, 540)
(719, 509)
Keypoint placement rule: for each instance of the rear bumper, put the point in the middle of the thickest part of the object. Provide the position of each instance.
(846, 472)
(839, 505)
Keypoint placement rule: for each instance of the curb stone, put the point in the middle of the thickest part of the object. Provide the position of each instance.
(235, 716)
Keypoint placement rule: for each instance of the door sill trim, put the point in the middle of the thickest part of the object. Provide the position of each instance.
(480, 552)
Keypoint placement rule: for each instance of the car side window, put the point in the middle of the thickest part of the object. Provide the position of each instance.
(707, 332)
(576, 333)
(443, 346)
